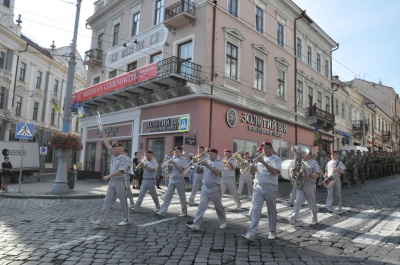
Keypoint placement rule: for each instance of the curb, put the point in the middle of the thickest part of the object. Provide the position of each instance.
(72, 196)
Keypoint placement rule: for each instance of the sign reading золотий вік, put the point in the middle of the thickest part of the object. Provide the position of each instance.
(257, 123)
(171, 124)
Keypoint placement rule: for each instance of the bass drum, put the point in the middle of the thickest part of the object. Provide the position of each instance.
(285, 168)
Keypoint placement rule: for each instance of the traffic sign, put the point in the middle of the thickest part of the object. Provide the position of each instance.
(43, 150)
(24, 131)
(184, 124)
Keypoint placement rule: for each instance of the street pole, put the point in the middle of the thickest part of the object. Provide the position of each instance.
(363, 116)
(61, 183)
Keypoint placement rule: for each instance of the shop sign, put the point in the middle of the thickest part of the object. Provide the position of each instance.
(128, 79)
(257, 123)
(166, 125)
(112, 131)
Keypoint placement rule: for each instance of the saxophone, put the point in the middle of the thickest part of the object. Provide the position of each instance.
(297, 178)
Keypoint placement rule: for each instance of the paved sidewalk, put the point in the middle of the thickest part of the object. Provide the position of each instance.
(83, 189)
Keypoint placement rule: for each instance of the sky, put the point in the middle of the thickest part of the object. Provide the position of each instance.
(368, 32)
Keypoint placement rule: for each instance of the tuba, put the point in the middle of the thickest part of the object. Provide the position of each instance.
(297, 179)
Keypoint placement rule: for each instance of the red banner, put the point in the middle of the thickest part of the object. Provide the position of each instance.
(133, 77)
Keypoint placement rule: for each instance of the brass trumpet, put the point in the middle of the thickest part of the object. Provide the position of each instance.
(140, 165)
(255, 160)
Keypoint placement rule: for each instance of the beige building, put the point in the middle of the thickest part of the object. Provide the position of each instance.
(241, 72)
(30, 78)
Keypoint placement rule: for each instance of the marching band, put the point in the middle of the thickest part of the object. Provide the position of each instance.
(213, 175)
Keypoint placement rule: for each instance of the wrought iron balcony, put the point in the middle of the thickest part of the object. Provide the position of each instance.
(324, 119)
(179, 13)
(93, 57)
(357, 125)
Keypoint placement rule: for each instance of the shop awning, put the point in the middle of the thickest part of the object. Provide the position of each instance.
(342, 133)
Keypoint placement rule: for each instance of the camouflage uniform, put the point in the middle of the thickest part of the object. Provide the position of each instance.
(354, 169)
(348, 163)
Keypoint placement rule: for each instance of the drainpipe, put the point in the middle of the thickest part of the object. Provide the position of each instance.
(212, 71)
(332, 101)
(305, 16)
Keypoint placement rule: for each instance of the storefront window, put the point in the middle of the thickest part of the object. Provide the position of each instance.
(90, 156)
(157, 145)
(281, 148)
(242, 146)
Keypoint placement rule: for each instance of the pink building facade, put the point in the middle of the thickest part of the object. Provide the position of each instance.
(226, 76)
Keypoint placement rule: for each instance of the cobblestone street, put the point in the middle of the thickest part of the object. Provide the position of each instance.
(58, 231)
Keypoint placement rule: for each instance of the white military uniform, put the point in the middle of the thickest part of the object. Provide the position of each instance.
(148, 184)
(337, 186)
(228, 181)
(246, 179)
(197, 182)
(177, 182)
(116, 188)
(211, 191)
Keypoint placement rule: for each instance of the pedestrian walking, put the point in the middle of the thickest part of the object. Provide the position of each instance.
(116, 186)
(7, 173)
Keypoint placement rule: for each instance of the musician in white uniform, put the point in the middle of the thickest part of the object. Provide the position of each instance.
(228, 177)
(198, 177)
(149, 181)
(334, 168)
(310, 174)
(177, 167)
(267, 170)
(210, 191)
(246, 178)
(116, 187)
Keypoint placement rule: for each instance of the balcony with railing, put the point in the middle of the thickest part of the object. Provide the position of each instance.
(179, 14)
(93, 57)
(152, 83)
(357, 126)
(324, 119)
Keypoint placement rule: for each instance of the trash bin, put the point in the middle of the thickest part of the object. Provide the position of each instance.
(71, 177)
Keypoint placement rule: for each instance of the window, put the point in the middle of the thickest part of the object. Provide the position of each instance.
(100, 41)
(35, 111)
(343, 111)
(158, 12)
(309, 56)
(76, 125)
(349, 114)
(156, 57)
(185, 53)
(259, 19)
(299, 47)
(2, 59)
(281, 84)
(135, 24)
(337, 107)
(22, 69)
(319, 103)
(299, 93)
(242, 146)
(327, 68)
(96, 80)
(379, 124)
(2, 97)
(112, 74)
(55, 87)
(132, 66)
(231, 66)
(279, 30)
(281, 148)
(115, 35)
(6, 3)
(232, 7)
(319, 63)
(52, 116)
(18, 106)
(49, 156)
(39, 80)
(328, 104)
(310, 96)
(259, 74)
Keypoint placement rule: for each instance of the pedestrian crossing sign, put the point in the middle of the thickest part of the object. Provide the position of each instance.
(184, 124)
(24, 131)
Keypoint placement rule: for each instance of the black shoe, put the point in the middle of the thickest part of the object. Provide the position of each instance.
(158, 187)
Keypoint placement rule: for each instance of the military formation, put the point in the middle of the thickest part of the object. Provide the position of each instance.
(361, 166)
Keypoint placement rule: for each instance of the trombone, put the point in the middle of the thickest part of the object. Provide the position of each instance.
(255, 160)
(169, 160)
(195, 164)
(195, 159)
(141, 163)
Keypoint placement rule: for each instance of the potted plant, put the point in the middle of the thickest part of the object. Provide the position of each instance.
(65, 142)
